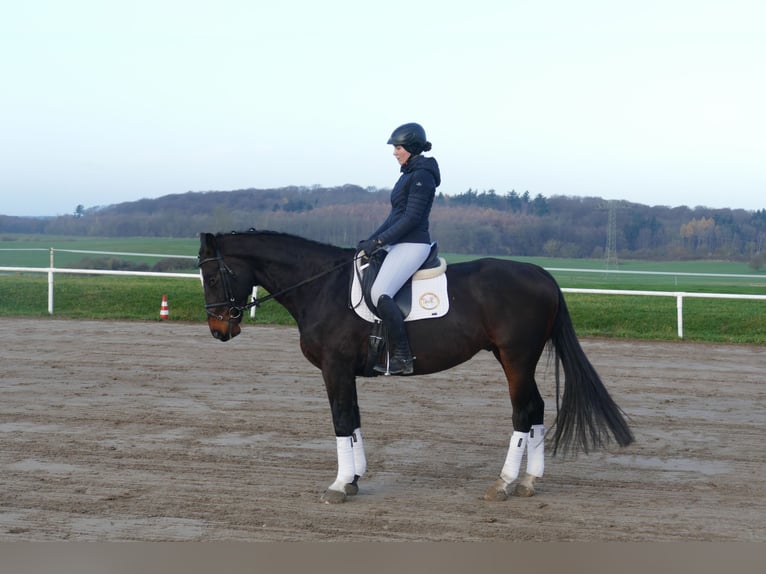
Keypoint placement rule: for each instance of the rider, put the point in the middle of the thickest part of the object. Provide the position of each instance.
(404, 234)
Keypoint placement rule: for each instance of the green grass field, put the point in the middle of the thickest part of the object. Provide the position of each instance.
(34, 251)
(640, 317)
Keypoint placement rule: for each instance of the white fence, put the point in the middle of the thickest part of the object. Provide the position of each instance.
(52, 270)
(679, 295)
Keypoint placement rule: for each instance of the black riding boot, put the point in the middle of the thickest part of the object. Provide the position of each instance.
(400, 356)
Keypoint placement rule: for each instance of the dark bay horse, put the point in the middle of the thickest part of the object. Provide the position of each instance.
(509, 308)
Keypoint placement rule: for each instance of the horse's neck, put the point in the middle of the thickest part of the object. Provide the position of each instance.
(285, 261)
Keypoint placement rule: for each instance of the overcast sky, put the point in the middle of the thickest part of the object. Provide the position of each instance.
(656, 102)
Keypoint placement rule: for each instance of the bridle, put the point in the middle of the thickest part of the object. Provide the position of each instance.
(235, 311)
(226, 274)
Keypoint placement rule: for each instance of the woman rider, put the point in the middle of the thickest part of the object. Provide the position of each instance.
(404, 234)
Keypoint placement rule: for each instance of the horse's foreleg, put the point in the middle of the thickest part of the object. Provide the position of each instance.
(352, 463)
(344, 405)
(533, 443)
(360, 459)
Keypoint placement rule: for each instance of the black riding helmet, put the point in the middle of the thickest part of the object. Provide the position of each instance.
(411, 137)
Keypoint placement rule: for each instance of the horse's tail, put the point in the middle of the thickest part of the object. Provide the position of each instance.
(588, 415)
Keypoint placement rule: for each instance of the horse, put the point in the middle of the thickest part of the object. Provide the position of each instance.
(512, 309)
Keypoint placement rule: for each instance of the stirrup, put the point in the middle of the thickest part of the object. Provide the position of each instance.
(395, 366)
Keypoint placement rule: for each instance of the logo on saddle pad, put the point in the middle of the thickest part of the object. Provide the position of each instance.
(422, 297)
(429, 301)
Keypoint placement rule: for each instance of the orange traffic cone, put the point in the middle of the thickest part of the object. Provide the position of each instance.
(164, 312)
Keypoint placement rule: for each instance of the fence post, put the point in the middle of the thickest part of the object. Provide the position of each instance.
(254, 296)
(50, 285)
(680, 312)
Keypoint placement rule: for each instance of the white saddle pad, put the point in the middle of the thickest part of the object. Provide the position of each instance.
(429, 295)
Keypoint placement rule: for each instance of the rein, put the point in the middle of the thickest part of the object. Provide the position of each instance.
(236, 311)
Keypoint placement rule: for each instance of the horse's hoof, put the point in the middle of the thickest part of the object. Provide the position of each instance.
(523, 490)
(525, 487)
(497, 492)
(333, 497)
(352, 489)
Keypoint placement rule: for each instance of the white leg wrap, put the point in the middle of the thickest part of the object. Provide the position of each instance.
(536, 451)
(346, 469)
(360, 460)
(516, 449)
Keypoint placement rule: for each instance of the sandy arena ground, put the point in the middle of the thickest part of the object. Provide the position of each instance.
(157, 432)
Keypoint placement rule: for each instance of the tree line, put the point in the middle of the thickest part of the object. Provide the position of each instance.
(473, 222)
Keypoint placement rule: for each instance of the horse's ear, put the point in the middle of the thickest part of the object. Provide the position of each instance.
(207, 241)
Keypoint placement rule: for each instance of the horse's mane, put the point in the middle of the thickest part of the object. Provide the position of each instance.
(324, 248)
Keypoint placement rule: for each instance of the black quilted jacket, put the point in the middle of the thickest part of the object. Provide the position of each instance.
(411, 201)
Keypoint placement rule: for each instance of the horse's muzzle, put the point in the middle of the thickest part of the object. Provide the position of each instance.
(224, 329)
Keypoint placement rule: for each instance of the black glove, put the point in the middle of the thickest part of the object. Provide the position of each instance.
(367, 246)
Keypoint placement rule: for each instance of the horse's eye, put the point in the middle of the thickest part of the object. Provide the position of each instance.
(211, 280)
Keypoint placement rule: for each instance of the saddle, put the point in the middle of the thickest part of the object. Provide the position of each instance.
(423, 296)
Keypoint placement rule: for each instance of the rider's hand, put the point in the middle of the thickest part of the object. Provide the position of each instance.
(367, 246)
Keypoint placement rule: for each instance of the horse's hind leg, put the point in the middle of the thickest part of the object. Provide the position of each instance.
(528, 430)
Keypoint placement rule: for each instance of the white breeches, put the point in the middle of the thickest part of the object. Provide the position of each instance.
(402, 260)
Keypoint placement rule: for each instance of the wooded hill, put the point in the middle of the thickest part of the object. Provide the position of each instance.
(481, 223)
